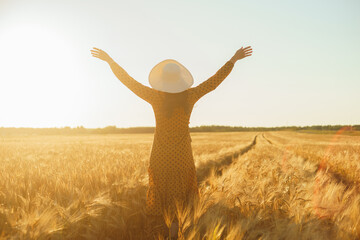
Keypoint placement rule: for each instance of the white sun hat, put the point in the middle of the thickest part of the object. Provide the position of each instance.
(170, 76)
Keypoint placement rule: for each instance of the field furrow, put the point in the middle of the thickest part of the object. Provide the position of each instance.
(271, 193)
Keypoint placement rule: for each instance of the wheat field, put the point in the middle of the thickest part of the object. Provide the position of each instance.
(253, 185)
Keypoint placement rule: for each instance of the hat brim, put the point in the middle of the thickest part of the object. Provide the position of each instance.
(156, 81)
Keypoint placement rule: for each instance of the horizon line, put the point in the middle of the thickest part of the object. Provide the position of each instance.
(213, 125)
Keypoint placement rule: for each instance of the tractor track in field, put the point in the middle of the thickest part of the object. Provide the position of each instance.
(220, 164)
(270, 142)
(339, 178)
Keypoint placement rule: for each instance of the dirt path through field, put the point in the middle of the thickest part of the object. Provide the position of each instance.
(284, 195)
(218, 165)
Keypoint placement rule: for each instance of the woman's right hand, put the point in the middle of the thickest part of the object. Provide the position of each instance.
(241, 53)
(101, 54)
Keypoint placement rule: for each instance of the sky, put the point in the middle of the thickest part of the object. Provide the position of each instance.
(305, 67)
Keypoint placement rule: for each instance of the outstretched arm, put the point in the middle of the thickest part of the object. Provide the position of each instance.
(213, 82)
(139, 89)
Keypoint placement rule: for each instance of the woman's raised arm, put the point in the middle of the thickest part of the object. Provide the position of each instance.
(142, 91)
(213, 82)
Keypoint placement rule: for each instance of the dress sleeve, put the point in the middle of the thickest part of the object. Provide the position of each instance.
(146, 93)
(210, 84)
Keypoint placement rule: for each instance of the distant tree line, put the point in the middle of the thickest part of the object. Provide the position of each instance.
(217, 128)
(204, 128)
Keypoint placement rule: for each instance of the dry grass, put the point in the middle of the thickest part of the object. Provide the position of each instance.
(94, 187)
(339, 153)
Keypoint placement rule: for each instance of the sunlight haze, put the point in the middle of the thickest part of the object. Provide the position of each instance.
(305, 68)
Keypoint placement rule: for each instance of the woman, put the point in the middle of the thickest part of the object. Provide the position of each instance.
(172, 174)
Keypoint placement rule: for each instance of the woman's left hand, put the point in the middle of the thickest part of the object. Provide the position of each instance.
(101, 54)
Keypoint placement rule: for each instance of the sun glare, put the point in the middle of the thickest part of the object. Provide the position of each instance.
(39, 65)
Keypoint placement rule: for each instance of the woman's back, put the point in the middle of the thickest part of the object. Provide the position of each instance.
(172, 113)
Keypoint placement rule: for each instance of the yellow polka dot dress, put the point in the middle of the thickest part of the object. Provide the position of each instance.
(172, 174)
